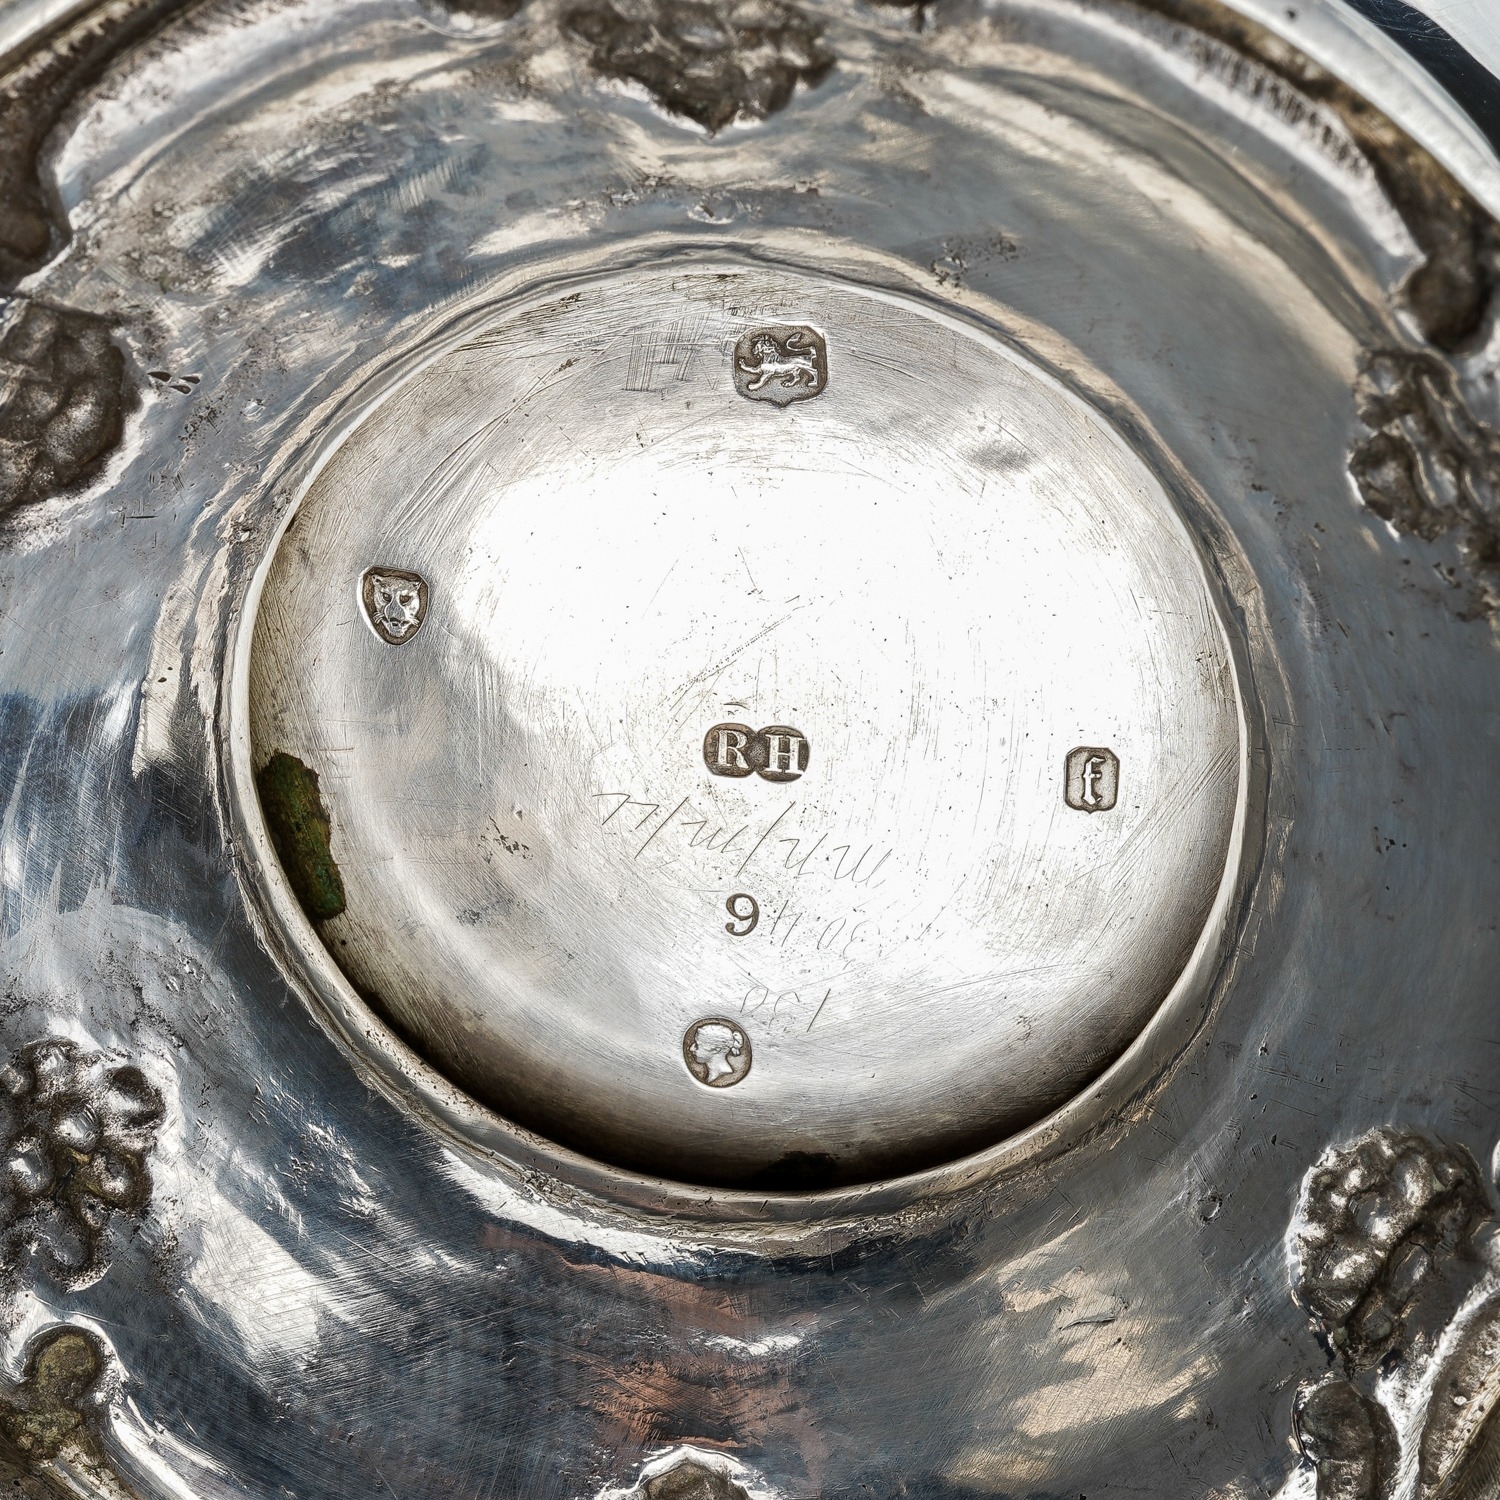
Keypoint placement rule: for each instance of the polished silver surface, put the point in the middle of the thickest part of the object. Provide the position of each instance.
(927, 588)
(1081, 418)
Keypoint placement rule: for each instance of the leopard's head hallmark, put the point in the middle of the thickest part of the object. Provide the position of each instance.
(395, 603)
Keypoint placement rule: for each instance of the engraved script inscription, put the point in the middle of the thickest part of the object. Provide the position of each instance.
(776, 753)
(395, 603)
(1093, 783)
(781, 365)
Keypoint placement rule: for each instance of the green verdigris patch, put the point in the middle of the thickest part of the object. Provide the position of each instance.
(48, 1424)
(301, 830)
(43, 1413)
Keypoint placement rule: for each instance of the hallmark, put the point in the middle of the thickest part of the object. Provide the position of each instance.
(781, 365)
(1093, 779)
(777, 753)
(717, 1052)
(395, 603)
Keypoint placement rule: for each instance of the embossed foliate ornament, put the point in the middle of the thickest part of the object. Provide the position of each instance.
(1374, 1219)
(1385, 1264)
(63, 394)
(77, 1129)
(713, 63)
(687, 1473)
(1430, 467)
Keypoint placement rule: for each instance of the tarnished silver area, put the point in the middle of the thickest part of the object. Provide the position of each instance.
(1031, 465)
(51, 1422)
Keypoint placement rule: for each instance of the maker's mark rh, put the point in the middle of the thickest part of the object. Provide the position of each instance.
(776, 753)
(781, 364)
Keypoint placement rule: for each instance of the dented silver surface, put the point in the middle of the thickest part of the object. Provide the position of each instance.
(346, 1277)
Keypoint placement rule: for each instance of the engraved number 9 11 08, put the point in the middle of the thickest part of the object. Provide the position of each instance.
(744, 909)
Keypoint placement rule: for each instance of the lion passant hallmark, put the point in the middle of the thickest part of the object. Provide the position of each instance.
(781, 364)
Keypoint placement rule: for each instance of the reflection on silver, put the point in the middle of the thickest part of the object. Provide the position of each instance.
(1141, 403)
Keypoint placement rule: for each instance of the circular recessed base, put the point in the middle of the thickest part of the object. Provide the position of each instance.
(718, 664)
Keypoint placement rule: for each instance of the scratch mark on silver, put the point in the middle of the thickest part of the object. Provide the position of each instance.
(744, 863)
(659, 827)
(819, 1011)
